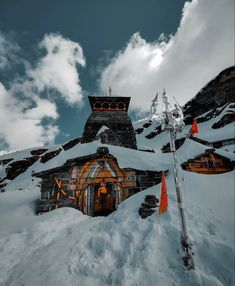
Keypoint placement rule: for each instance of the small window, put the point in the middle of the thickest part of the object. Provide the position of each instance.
(131, 178)
(113, 105)
(97, 105)
(105, 105)
(121, 105)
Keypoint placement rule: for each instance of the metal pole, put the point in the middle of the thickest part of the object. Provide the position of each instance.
(178, 188)
(186, 246)
(173, 126)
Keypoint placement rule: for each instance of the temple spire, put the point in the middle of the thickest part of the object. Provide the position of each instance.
(110, 91)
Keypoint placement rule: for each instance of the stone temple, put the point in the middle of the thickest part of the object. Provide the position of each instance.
(95, 184)
(110, 119)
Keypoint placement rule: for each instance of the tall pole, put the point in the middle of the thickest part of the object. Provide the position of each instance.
(178, 188)
(173, 126)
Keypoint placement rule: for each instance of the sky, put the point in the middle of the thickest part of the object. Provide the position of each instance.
(54, 54)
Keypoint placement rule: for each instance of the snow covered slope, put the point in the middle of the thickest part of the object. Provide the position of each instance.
(65, 247)
(150, 136)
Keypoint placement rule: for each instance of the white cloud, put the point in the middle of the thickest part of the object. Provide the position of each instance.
(23, 108)
(8, 51)
(3, 51)
(21, 126)
(57, 69)
(202, 46)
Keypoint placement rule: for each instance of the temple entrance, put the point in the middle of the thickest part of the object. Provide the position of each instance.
(102, 198)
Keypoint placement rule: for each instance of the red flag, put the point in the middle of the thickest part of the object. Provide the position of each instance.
(164, 197)
(194, 128)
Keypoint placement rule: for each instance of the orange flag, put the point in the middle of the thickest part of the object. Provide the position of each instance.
(194, 128)
(164, 197)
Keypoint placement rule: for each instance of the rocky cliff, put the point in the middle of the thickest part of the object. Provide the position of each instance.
(212, 98)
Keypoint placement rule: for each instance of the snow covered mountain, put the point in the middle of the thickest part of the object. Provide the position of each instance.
(65, 247)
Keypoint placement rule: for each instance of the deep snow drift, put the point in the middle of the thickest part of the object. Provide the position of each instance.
(64, 247)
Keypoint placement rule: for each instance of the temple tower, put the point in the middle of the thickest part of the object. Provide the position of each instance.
(109, 116)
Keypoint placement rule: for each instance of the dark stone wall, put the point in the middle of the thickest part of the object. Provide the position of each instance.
(146, 179)
(48, 200)
(120, 133)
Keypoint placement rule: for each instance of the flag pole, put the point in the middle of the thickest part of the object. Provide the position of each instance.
(173, 125)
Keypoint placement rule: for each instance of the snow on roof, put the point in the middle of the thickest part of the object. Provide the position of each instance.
(102, 129)
(127, 158)
(191, 149)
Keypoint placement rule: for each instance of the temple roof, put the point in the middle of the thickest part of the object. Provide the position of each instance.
(109, 103)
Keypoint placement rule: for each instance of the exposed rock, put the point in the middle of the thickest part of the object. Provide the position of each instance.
(215, 144)
(71, 143)
(226, 119)
(149, 206)
(139, 130)
(147, 124)
(217, 93)
(2, 189)
(151, 135)
(179, 142)
(151, 199)
(145, 212)
(38, 151)
(49, 155)
(212, 113)
(3, 183)
(16, 168)
(5, 161)
(147, 150)
(154, 133)
(159, 129)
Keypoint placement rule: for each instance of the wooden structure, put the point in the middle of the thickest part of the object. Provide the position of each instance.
(209, 163)
(111, 112)
(94, 184)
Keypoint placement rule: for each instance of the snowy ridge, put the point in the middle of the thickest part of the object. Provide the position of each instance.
(206, 132)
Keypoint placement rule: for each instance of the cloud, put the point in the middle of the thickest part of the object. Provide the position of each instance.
(57, 69)
(3, 51)
(27, 118)
(21, 126)
(8, 52)
(202, 46)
